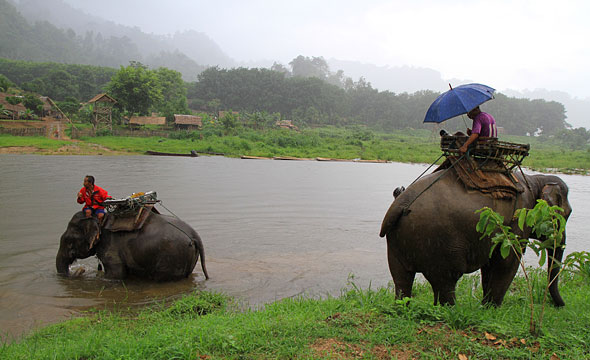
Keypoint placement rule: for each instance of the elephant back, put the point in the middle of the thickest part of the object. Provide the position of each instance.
(131, 221)
(441, 197)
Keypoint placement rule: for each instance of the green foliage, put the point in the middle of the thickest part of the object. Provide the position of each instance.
(79, 81)
(229, 120)
(579, 261)
(575, 139)
(14, 100)
(310, 99)
(173, 89)
(86, 113)
(41, 41)
(136, 89)
(489, 223)
(198, 304)
(5, 84)
(547, 222)
(548, 225)
(141, 91)
(33, 103)
(70, 106)
(304, 66)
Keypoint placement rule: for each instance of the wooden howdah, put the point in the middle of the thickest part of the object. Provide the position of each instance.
(487, 166)
(491, 154)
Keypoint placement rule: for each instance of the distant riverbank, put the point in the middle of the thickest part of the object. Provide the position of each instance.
(405, 146)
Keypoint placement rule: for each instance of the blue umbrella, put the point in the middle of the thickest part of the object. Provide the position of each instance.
(458, 101)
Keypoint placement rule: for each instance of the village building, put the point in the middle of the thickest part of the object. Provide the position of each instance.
(102, 117)
(51, 124)
(188, 122)
(286, 124)
(10, 111)
(137, 121)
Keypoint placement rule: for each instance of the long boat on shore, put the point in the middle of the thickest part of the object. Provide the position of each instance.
(193, 153)
(255, 157)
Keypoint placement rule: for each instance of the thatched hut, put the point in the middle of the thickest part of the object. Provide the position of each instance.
(286, 124)
(188, 122)
(147, 120)
(13, 111)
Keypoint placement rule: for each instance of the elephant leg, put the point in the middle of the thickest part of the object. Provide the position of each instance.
(402, 278)
(553, 275)
(443, 286)
(114, 270)
(496, 277)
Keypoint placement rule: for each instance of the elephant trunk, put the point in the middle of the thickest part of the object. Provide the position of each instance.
(62, 262)
(553, 272)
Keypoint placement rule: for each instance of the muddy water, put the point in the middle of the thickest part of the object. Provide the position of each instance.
(271, 229)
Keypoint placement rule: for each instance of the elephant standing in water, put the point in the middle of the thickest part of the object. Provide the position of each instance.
(435, 234)
(165, 248)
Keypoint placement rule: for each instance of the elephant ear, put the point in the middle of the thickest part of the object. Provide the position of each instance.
(91, 230)
(553, 194)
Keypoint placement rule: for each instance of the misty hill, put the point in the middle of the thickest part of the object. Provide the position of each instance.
(577, 110)
(197, 46)
(396, 79)
(29, 35)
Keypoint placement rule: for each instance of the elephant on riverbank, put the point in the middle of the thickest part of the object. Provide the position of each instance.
(431, 229)
(165, 248)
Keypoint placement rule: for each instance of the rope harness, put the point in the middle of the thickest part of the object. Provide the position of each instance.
(406, 208)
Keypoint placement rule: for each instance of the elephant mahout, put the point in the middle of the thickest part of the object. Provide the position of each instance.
(431, 229)
(162, 248)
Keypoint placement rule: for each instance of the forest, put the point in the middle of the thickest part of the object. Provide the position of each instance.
(42, 41)
(307, 93)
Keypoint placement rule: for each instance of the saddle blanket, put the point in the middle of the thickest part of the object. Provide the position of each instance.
(496, 183)
(129, 222)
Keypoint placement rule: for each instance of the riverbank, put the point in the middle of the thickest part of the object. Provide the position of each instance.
(359, 324)
(44, 146)
(406, 146)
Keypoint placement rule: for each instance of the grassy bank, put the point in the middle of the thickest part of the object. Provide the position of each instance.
(415, 146)
(367, 324)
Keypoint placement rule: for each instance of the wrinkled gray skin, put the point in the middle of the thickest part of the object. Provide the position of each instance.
(165, 248)
(438, 238)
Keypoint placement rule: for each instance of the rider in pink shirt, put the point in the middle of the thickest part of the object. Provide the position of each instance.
(484, 125)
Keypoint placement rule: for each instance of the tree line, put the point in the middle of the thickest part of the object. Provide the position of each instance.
(306, 93)
(311, 95)
(43, 41)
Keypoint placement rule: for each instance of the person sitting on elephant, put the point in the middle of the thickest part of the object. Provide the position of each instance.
(92, 196)
(484, 125)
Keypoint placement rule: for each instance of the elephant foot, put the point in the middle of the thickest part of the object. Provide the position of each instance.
(78, 272)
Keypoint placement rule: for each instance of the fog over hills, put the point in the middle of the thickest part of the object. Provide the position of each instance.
(196, 45)
(191, 51)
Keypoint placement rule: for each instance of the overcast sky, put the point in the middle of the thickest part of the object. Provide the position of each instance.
(507, 44)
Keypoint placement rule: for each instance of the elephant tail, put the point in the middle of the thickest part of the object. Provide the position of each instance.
(396, 210)
(201, 253)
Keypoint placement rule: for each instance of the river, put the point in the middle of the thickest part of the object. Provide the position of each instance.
(271, 229)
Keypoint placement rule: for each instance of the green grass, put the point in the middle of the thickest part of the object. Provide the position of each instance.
(410, 146)
(40, 142)
(361, 323)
